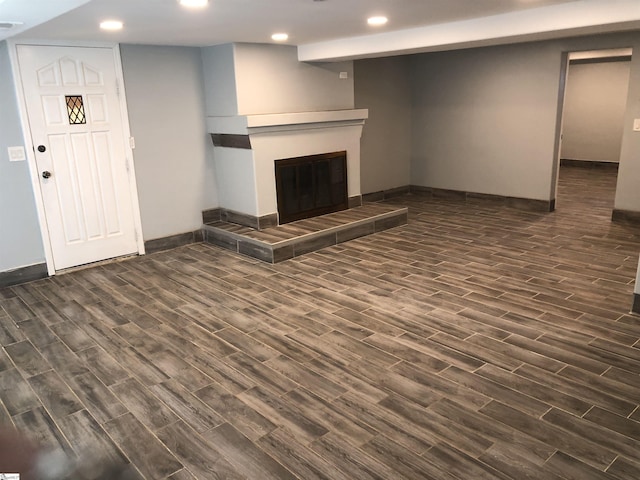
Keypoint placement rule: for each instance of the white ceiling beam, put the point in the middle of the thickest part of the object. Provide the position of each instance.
(574, 18)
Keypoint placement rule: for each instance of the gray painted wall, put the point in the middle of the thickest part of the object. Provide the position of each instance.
(254, 79)
(627, 190)
(594, 107)
(383, 86)
(484, 120)
(173, 154)
(220, 80)
(20, 240)
(270, 79)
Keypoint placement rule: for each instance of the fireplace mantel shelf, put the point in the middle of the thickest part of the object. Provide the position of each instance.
(247, 146)
(248, 124)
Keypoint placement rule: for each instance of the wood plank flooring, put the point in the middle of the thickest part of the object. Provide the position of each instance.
(475, 342)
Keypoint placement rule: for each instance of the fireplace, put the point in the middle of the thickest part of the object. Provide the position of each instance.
(250, 150)
(311, 185)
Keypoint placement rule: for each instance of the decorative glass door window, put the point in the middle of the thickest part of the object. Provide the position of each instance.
(75, 110)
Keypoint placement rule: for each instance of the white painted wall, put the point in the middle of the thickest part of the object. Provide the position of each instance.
(20, 240)
(220, 94)
(594, 107)
(173, 154)
(268, 147)
(270, 79)
(383, 86)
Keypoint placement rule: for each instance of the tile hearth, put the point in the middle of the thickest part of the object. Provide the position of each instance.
(283, 242)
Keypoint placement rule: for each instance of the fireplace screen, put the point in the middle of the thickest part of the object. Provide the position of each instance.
(311, 185)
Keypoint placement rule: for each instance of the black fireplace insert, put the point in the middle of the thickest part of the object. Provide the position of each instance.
(311, 185)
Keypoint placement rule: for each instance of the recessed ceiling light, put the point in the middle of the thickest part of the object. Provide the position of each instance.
(377, 20)
(279, 37)
(194, 3)
(111, 25)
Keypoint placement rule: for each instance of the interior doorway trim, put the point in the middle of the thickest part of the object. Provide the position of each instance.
(29, 147)
(593, 55)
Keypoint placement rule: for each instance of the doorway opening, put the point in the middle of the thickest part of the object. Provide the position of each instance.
(592, 124)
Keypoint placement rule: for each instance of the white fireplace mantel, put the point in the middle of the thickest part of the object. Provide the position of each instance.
(248, 124)
(245, 174)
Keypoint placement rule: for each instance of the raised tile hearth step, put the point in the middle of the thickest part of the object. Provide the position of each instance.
(283, 242)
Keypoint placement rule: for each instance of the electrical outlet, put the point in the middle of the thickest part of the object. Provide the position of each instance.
(344, 75)
(16, 154)
(636, 125)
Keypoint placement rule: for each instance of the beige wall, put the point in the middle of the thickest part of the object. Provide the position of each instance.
(383, 86)
(594, 106)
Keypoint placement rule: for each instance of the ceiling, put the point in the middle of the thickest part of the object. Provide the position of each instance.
(323, 29)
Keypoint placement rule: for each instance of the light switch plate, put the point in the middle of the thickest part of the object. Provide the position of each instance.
(344, 75)
(16, 154)
(636, 125)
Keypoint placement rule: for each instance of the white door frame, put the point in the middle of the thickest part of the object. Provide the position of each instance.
(29, 147)
(562, 96)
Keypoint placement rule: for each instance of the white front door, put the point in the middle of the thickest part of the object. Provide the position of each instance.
(73, 108)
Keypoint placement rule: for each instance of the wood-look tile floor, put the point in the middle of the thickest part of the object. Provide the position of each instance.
(476, 342)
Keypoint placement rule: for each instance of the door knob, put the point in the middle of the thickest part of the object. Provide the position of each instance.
(42, 148)
(46, 174)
